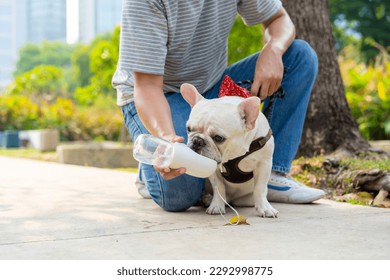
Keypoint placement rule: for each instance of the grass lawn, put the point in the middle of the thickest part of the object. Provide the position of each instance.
(29, 153)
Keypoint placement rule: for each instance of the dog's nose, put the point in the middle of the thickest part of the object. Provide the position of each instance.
(198, 143)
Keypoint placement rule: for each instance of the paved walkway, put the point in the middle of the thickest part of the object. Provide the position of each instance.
(56, 211)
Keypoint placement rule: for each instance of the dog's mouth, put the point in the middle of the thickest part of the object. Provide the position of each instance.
(203, 151)
(198, 144)
(198, 150)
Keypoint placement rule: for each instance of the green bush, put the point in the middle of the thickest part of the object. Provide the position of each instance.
(57, 114)
(18, 112)
(95, 124)
(101, 122)
(367, 91)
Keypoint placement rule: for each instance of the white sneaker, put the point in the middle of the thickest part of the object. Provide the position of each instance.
(282, 188)
(142, 190)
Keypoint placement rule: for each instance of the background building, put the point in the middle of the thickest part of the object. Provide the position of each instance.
(98, 16)
(46, 20)
(34, 21)
(13, 34)
(23, 21)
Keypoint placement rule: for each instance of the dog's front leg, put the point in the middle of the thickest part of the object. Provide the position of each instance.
(217, 205)
(262, 175)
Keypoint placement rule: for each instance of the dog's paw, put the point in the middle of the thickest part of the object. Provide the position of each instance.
(265, 210)
(216, 209)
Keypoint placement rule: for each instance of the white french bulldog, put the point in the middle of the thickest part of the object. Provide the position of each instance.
(226, 129)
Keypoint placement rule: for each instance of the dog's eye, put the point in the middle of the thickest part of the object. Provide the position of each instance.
(219, 138)
(188, 129)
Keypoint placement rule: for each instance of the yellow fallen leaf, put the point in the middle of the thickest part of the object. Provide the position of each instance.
(237, 220)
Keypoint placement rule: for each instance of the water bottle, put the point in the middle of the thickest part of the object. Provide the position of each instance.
(152, 150)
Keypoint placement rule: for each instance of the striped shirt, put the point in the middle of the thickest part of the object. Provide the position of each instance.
(183, 40)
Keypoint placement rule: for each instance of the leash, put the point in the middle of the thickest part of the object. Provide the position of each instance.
(279, 93)
(231, 207)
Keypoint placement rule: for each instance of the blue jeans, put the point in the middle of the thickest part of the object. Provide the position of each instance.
(286, 119)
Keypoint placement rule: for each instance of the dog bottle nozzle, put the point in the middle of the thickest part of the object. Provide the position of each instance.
(152, 150)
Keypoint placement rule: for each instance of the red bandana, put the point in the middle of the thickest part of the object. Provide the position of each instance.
(230, 88)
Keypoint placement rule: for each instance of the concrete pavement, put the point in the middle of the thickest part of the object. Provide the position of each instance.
(57, 211)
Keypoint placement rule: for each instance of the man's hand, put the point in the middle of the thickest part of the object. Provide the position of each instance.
(268, 73)
(166, 172)
(279, 32)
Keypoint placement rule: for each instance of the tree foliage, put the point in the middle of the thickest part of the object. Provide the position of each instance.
(104, 57)
(48, 53)
(369, 18)
(44, 82)
(81, 73)
(243, 40)
(94, 65)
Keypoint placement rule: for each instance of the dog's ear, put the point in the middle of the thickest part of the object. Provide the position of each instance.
(190, 94)
(249, 109)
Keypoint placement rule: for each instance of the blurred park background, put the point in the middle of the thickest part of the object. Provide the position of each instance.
(67, 85)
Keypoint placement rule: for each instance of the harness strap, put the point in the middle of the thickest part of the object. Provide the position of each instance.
(233, 173)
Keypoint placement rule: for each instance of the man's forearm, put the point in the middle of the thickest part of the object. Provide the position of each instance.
(152, 106)
(279, 31)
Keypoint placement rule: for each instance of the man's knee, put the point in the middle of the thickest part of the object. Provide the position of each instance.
(181, 202)
(181, 193)
(305, 54)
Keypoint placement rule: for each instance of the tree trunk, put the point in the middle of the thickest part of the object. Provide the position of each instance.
(329, 124)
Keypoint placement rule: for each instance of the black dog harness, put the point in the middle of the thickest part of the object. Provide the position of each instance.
(236, 175)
